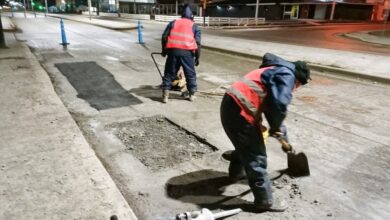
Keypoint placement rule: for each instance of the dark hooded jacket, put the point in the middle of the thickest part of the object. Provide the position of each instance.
(280, 82)
(186, 14)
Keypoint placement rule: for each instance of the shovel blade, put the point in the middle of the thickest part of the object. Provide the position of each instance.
(298, 165)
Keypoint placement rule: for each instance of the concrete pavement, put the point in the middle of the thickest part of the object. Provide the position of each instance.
(47, 168)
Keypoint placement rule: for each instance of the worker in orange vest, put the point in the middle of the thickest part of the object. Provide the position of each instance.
(267, 90)
(181, 42)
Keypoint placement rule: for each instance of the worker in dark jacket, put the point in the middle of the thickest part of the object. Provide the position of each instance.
(265, 90)
(181, 42)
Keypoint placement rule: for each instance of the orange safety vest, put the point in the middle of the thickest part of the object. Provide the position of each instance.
(249, 93)
(182, 36)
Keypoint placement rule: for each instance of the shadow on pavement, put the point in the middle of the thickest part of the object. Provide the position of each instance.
(155, 93)
(205, 188)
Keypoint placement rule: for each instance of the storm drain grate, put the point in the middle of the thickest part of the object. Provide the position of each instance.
(159, 143)
(96, 85)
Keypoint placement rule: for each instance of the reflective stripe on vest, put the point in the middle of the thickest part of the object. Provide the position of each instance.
(182, 36)
(249, 93)
(244, 100)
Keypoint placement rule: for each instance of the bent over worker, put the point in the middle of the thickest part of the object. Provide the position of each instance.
(181, 42)
(265, 90)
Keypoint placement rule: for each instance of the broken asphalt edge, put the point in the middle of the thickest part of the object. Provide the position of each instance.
(313, 66)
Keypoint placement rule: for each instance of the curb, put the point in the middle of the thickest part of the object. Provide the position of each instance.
(361, 38)
(91, 23)
(317, 67)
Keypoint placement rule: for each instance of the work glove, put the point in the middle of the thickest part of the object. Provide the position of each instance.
(281, 135)
(163, 53)
(197, 56)
(196, 61)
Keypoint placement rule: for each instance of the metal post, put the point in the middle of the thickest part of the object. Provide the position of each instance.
(117, 7)
(204, 12)
(12, 11)
(32, 7)
(2, 39)
(333, 9)
(257, 11)
(47, 10)
(386, 15)
(97, 7)
(89, 9)
(385, 21)
(25, 14)
(177, 7)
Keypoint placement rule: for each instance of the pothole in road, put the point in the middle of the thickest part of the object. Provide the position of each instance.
(160, 143)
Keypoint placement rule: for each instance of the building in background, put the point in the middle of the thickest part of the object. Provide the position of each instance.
(297, 9)
(137, 6)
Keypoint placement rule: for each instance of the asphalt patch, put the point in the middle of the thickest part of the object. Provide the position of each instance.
(159, 143)
(96, 85)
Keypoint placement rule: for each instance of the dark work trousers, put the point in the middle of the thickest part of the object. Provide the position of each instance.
(250, 152)
(172, 66)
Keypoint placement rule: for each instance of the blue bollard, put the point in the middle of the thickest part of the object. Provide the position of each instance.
(139, 28)
(63, 36)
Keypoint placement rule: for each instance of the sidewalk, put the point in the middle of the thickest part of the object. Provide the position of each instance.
(47, 168)
(361, 65)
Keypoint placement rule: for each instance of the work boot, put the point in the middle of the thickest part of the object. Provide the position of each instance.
(165, 96)
(272, 205)
(185, 94)
(236, 172)
(192, 97)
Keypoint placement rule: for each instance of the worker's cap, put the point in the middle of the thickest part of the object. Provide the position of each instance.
(302, 72)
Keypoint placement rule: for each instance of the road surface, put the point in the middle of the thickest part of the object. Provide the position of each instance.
(340, 123)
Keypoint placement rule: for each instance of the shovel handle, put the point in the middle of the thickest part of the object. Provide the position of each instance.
(155, 63)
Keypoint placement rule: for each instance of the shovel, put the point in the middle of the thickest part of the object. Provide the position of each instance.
(297, 164)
